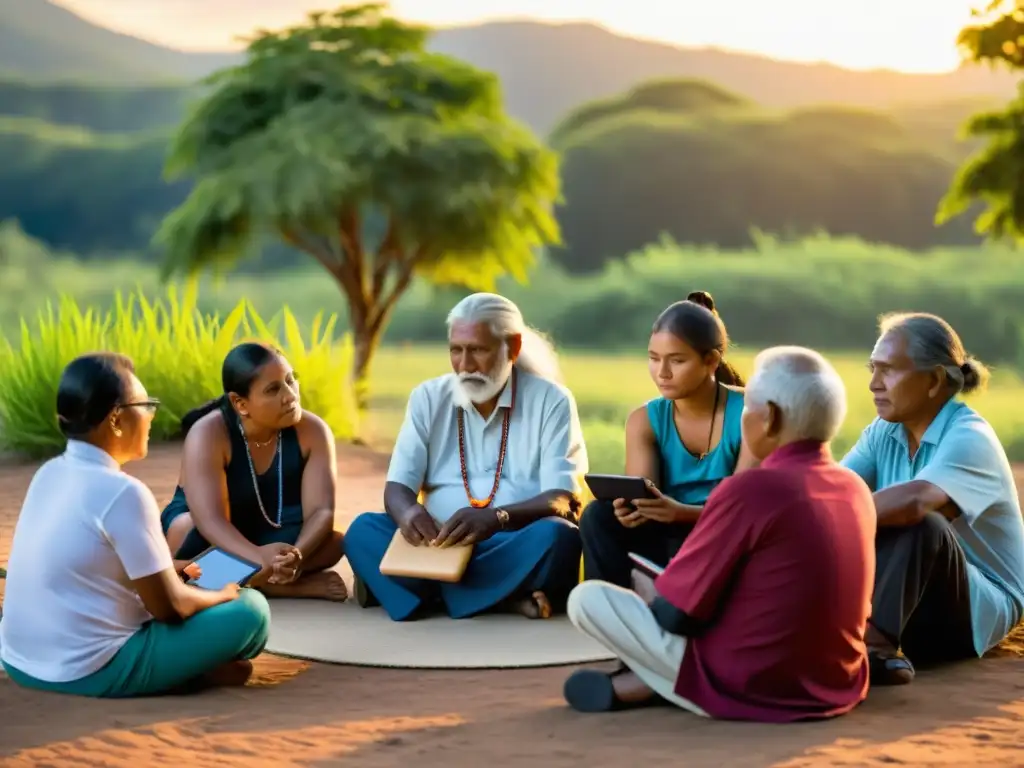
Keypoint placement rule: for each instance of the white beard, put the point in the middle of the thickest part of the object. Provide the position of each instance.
(478, 387)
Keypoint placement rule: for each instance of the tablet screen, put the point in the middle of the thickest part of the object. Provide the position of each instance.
(220, 569)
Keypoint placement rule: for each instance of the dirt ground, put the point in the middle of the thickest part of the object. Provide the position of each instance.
(298, 714)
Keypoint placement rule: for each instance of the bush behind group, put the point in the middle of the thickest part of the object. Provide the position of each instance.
(177, 351)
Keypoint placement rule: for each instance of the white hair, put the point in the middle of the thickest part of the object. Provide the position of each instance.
(804, 386)
(537, 356)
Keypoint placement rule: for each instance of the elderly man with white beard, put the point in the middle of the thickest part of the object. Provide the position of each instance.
(497, 451)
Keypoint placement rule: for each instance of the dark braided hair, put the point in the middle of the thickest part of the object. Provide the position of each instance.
(696, 322)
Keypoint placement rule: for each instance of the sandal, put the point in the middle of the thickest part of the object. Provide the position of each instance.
(541, 605)
(590, 690)
(364, 597)
(889, 668)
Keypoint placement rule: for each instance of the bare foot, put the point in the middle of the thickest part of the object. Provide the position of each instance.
(323, 585)
(536, 606)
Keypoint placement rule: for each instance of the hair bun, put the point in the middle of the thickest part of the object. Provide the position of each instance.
(703, 298)
(972, 376)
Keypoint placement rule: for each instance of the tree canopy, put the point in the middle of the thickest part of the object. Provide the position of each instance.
(994, 176)
(345, 138)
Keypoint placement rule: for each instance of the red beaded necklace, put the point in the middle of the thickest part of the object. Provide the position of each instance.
(503, 448)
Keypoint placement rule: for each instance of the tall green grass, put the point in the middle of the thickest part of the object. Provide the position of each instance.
(177, 351)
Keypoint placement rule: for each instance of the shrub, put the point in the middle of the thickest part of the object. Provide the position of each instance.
(177, 353)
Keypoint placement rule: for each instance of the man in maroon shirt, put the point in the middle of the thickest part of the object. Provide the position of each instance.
(761, 615)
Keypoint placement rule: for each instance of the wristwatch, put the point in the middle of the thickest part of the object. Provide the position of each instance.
(502, 517)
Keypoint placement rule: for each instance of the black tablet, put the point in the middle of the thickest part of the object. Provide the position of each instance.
(219, 568)
(645, 566)
(612, 487)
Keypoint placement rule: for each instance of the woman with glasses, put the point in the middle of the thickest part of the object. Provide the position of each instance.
(258, 476)
(94, 604)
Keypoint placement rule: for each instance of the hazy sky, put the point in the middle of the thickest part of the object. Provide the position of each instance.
(911, 35)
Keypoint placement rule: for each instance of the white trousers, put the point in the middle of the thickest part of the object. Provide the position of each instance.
(619, 620)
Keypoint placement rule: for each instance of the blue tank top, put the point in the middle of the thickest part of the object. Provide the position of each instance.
(683, 477)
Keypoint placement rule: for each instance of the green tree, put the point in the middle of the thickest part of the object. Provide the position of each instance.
(346, 139)
(994, 176)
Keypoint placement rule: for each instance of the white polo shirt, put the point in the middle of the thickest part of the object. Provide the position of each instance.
(85, 531)
(546, 451)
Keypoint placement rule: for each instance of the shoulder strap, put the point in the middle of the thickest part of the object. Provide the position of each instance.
(656, 414)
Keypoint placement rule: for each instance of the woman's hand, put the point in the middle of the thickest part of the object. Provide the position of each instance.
(228, 592)
(280, 563)
(661, 508)
(188, 569)
(627, 514)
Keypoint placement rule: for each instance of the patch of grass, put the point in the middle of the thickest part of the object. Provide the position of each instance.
(177, 351)
(607, 387)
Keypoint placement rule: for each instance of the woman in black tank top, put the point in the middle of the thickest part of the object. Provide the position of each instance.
(257, 480)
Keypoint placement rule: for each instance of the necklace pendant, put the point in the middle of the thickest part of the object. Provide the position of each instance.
(479, 503)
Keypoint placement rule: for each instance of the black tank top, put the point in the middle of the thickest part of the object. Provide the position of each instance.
(245, 512)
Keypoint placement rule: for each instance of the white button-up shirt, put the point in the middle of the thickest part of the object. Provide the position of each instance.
(545, 451)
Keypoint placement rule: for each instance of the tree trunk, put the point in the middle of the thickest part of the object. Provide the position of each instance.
(366, 338)
(370, 299)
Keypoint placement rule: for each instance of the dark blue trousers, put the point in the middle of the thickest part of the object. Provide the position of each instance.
(544, 555)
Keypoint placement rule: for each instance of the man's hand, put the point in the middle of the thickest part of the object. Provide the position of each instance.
(643, 585)
(417, 526)
(468, 526)
(661, 508)
(626, 514)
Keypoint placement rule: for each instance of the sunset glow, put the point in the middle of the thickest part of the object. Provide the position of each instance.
(908, 35)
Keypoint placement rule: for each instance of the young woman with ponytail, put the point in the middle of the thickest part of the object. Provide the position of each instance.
(684, 443)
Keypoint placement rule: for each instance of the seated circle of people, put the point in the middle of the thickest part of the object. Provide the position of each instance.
(258, 477)
(761, 614)
(497, 451)
(95, 605)
(684, 443)
(950, 548)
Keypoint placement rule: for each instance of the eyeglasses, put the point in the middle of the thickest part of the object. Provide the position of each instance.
(149, 405)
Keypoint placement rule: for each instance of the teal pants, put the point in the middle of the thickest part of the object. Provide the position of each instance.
(160, 658)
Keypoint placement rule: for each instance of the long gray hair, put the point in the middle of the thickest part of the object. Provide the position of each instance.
(932, 342)
(503, 317)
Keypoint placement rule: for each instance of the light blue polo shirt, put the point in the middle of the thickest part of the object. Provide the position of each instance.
(961, 454)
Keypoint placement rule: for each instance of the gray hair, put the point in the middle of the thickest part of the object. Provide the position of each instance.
(504, 319)
(804, 386)
(932, 342)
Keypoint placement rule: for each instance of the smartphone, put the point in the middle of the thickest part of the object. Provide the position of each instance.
(644, 565)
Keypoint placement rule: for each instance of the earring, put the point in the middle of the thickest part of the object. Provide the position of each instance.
(116, 430)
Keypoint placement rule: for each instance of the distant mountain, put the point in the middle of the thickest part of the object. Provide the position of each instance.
(41, 41)
(546, 70)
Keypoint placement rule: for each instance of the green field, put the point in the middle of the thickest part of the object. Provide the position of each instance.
(820, 292)
(607, 387)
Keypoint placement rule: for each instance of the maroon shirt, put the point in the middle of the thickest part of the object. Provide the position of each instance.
(780, 567)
